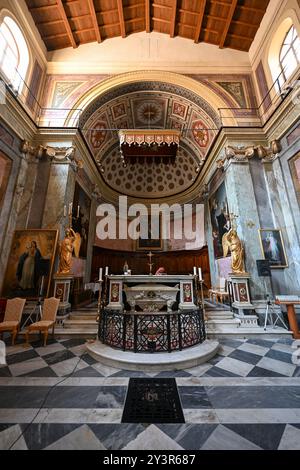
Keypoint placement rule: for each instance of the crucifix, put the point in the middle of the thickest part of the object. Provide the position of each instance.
(150, 264)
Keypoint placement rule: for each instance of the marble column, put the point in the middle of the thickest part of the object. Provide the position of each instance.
(242, 202)
(91, 238)
(60, 193)
(286, 281)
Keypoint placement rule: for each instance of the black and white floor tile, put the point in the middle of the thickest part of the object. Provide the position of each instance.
(59, 397)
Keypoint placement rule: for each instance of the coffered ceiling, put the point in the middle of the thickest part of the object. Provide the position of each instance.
(225, 23)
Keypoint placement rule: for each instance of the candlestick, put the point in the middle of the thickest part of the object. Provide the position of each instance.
(106, 271)
(100, 274)
(195, 271)
(70, 208)
(200, 274)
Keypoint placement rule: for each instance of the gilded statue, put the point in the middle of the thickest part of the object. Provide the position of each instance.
(232, 243)
(70, 243)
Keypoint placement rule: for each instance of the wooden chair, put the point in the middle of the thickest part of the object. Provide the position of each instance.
(220, 293)
(47, 321)
(12, 317)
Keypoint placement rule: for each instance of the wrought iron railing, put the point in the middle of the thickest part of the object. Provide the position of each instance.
(58, 117)
(152, 332)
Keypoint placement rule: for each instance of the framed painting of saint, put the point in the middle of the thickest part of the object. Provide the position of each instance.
(273, 248)
(30, 263)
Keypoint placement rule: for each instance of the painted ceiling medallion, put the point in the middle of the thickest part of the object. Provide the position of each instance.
(149, 112)
(200, 133)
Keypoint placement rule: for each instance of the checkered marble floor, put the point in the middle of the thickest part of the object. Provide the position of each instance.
(59, 397)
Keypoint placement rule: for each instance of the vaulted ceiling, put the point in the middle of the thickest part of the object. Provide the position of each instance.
(225, 23)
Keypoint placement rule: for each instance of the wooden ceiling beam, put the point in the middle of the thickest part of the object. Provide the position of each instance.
(228, 23)
(147, 16)
(173, 19)
(186, 25)
(161, 20)
(42, 8)
(94, 19)
(188, 12)
(200, 21)
(137, 5)
(48, 23)
(135, 20)
(240, 36)
(63, 14)
(121, 18)
(54, 36)
(257, 9)
(162, 7)
(107, 12)
(238, 22)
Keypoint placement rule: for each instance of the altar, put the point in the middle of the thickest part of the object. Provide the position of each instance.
(151, 293)
(160, 315)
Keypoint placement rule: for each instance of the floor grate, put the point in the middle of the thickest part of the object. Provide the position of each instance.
(152, 401)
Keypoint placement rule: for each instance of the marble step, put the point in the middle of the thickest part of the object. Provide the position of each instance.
(157, 362)
(222, 325)
(80, 316)
(83, 324)
(219, 316)
(91, 311)
(66, 333)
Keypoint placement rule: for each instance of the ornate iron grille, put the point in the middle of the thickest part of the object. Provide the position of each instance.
(160, 332)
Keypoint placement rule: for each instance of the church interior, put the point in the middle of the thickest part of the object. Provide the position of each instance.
(150, 225)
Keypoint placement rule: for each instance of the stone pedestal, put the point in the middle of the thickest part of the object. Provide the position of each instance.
(62, 287)
(240, 290)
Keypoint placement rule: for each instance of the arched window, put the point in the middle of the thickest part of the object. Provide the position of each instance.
(289, 57)
(14, 55)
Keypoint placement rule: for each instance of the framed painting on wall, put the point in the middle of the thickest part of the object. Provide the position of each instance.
(154, 238)
(30, 263)
(81, 218)
(295, 172)
(273, 248)
(220, 220)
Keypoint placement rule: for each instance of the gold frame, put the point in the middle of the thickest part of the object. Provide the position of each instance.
(281, 266)
(52, 259)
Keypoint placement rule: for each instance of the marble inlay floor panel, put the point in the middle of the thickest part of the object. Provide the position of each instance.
(59, 397)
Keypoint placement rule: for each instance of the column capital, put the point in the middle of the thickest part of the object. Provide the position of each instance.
(236, 155)
(65, 155)
(269, 154)
(31, 153)
(244, 154)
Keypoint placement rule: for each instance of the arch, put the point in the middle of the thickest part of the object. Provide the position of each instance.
(171, 78)
(15, 57)
(276, 46)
